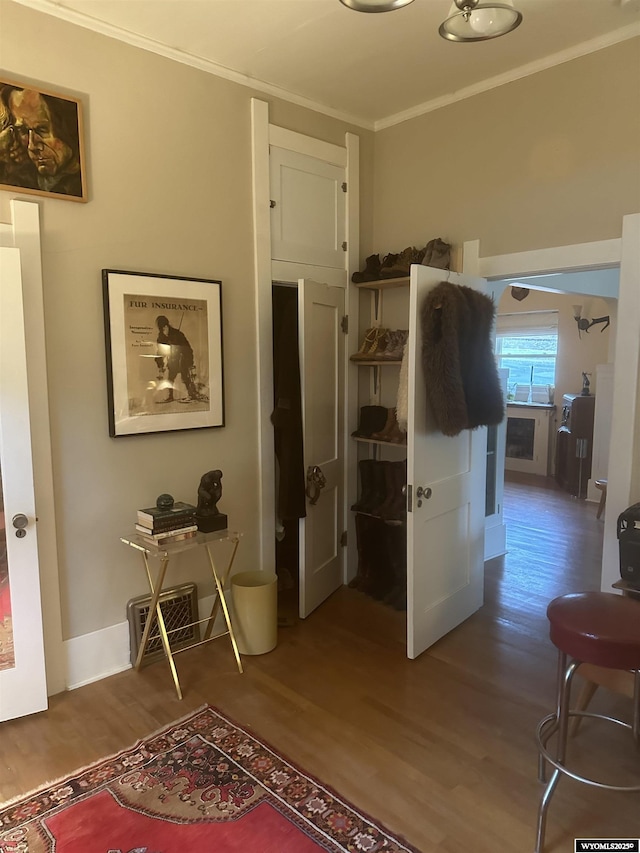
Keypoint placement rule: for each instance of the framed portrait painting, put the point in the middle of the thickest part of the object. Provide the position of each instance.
(41, 142)
(163, 339)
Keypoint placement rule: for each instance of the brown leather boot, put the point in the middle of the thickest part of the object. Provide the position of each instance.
(371, 271)
(395, 506)
(391, 432)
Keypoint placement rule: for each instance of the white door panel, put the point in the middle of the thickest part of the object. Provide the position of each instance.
(445, 526)
(308, 209)
(23, 687)
(322, 353)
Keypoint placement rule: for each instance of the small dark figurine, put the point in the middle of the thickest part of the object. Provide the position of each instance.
(585, 385)
(208, 516)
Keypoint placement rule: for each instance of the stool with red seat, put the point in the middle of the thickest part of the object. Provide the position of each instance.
(598, 628)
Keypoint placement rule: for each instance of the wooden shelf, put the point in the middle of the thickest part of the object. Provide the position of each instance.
(379, 441)
(383, 283)
(375, 362)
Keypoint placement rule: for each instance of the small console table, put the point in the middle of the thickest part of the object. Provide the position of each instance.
(163, 554)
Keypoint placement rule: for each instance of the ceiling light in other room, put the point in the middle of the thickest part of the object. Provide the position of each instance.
(479, 20)
(375, 5)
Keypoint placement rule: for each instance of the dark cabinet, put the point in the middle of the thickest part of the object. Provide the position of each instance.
(574, 444)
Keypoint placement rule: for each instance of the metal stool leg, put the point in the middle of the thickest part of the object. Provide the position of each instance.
(550, 724)
(560, 722)
(636, 709)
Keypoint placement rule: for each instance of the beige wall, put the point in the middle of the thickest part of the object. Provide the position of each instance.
(169, 174)
(549, 160)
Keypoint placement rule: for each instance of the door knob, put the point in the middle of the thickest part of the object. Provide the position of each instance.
(423, 493)
(315, 483)
(20, 521)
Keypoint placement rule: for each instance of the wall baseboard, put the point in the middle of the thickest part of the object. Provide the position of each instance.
(97, 655)
(100, 654)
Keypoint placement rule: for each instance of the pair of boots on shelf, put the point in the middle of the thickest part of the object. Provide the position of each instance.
(382, 561)
(436, 254)
(382, 489)
(380, 424)
(382, 345)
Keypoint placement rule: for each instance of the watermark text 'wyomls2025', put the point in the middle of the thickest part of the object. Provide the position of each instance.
(607, 845)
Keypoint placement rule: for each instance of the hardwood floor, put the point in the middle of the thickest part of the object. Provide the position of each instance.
(440, 749)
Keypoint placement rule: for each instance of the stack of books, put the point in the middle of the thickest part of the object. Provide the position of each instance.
(162, 526)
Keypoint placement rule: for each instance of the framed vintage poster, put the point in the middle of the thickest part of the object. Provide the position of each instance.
(164, 352)
(41, 142)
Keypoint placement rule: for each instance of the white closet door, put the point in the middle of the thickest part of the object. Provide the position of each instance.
(308, 209)
(322, 354)
(23, 688)
(446, 484)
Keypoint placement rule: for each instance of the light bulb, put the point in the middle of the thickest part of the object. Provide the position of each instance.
(487, 21)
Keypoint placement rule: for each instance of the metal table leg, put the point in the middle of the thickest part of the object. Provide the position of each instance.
(156, 589)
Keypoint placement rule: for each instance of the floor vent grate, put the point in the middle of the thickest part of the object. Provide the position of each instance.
(179, 607)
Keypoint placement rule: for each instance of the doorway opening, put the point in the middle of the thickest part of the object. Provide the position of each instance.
(582, 360)
(288, 449)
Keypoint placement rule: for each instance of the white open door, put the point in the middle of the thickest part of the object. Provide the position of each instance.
(23, 688)
(322, 353)
(446, 500)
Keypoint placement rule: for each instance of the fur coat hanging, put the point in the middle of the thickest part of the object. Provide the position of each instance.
(460, 372)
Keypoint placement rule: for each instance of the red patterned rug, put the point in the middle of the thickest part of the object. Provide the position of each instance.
(202, 784)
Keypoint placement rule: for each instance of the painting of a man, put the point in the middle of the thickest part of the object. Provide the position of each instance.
(41, 148)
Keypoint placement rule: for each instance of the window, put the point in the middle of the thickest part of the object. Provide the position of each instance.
(527, 344)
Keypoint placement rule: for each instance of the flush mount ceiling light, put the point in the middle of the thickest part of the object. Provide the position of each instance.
(375, 5)
(479, 20)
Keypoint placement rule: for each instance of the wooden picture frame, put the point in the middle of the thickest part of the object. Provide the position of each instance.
(163, 338)
(41, 142)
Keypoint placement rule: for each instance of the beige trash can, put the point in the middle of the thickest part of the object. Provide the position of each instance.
(255, 608)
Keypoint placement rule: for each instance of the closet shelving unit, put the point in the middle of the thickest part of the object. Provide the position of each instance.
(375, 319)
(378, 385)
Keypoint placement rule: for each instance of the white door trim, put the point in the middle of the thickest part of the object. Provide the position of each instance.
(280, 137)
(267, 272)
(624, 467)
(264, 332)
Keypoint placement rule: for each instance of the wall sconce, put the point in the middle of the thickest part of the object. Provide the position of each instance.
(584, 324)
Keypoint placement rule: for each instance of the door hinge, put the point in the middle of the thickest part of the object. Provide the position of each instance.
(409, 489)
(343, 539)
(344, 186)
(344, 324)
(344, 246)
(272, 203)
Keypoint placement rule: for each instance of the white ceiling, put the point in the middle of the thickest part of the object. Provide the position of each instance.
(371, 69)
